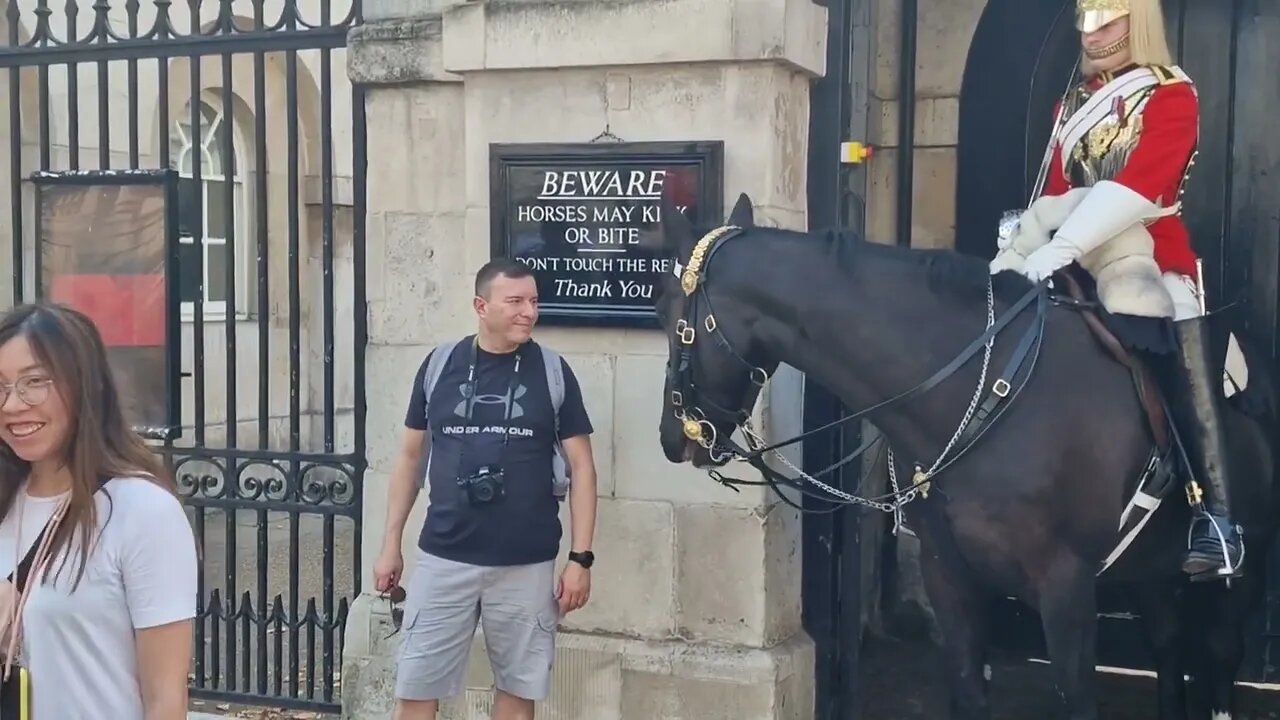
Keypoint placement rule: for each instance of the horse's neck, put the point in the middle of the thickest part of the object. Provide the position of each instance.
(866, 346)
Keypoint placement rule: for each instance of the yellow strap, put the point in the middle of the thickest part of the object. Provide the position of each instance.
(24, 694)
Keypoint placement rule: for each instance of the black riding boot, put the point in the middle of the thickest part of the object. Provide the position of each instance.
(1215, 546)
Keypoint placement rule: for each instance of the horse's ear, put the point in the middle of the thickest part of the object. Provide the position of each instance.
(677, 233)
(742, 215)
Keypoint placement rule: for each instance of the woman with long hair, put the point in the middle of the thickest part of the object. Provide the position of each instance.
(102, 622)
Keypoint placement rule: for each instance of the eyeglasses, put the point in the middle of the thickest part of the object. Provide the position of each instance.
(396, 597)
(32, 390)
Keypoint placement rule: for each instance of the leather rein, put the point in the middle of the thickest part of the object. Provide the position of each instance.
(697, 412)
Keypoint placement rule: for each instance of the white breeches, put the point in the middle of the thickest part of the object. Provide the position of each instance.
(1186, 304)
(1186, 300)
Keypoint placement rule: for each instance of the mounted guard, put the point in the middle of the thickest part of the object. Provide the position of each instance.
(1123, 144)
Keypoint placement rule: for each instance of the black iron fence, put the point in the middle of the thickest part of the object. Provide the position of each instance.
(247, 106)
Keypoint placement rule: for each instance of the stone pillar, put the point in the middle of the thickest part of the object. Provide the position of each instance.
(695, 611)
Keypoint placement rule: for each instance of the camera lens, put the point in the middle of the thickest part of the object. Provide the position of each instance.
(483, 492)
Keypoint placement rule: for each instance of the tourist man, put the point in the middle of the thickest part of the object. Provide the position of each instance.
(487, 435)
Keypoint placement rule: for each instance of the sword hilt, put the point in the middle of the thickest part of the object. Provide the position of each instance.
(1200, 286)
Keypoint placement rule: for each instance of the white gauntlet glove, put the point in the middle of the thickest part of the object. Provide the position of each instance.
(1108, 209)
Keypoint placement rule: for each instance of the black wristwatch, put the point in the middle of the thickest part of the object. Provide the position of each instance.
(584, 558)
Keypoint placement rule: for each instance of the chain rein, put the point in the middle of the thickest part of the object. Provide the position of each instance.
(755, 442)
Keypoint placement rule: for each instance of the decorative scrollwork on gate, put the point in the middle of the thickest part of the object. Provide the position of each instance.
(105, 31)
(335, 486)
(203, 477)
(262, 480)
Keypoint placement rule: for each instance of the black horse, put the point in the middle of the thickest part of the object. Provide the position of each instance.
(1029, 504)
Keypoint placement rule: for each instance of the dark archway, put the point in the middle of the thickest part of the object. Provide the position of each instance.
(1019, 63)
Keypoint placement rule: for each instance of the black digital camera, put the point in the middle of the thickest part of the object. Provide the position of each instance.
(485, 486)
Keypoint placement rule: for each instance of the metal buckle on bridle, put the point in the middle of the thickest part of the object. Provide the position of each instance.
(720, 478)
(685, 331)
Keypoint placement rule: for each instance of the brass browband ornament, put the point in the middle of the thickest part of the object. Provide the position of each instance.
(689, 279)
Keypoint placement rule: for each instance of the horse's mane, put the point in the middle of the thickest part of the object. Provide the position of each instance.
(947, 273)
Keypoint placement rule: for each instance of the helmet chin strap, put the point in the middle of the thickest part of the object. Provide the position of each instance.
(1107, 51)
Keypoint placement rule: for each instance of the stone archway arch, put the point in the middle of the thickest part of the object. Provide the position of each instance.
(1017, 66)
(266, 194)
(276, 103)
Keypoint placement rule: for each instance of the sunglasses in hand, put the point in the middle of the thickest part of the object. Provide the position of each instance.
(396, 596)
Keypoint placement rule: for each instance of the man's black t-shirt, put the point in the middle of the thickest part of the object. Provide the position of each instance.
(524, 526)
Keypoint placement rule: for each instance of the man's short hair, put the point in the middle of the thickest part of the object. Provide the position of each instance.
(505, 267)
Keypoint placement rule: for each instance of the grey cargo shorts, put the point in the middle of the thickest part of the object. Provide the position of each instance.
(516, 609)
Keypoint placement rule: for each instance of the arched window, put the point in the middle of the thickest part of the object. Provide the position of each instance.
(218, 218)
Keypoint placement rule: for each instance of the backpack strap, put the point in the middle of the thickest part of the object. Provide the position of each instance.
(560, 471)
(555, 380)
(435, 367)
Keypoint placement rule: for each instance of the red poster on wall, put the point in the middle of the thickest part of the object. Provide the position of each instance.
(104, 245)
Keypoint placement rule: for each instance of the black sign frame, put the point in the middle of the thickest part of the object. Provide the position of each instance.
(166, 422)
(706, 156)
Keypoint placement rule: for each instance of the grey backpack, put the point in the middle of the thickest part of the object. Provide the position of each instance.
(560, 475)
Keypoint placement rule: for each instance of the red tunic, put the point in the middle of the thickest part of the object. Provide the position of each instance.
(1156, 168)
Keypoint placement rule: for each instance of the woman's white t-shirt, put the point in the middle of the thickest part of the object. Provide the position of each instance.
(80, 646)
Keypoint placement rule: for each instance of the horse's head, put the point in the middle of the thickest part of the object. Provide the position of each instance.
(714, 373)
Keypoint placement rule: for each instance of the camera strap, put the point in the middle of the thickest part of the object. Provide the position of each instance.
(469, 398)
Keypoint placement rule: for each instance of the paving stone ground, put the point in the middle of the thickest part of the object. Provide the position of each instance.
(903, 680)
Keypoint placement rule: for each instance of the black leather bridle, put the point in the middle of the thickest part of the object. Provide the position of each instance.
(697, 413)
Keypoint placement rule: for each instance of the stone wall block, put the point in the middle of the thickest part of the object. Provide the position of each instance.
(380, 10)
(721, 575)
(782, 572)
(642, 470)
(933, 213)
(700, 102)
(633, 581)
(595, 374)
(717, 683)
(720, 593)
(522, 35)
(588, 680)
(418, 307)
(944, 29)
(937, 122)
(395, 366)
(399, 50)
(603, 678)
(415, 148)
